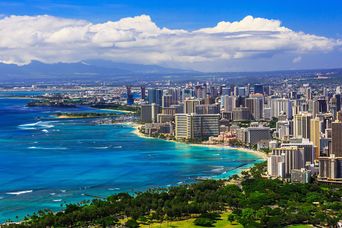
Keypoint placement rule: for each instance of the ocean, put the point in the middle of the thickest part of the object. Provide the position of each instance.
(47, 162)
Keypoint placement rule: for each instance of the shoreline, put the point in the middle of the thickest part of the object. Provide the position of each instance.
(116, 110)
(259, 154)
(19, 98)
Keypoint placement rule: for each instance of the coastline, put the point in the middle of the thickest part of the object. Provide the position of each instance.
(259, 154)
(117, 110)
(19, 97)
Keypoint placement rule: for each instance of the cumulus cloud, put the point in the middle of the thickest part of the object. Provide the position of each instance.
(139, 40)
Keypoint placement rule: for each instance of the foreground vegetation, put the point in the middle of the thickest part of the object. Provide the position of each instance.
(253, 202)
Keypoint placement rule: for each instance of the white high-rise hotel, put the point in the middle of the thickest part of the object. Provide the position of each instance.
(280, 106)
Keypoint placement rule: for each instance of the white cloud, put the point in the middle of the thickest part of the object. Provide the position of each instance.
(297, 59)
(139, 40)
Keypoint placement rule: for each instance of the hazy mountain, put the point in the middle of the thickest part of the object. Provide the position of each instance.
(97, 69)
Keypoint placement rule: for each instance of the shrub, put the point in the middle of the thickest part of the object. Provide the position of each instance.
(207, 222)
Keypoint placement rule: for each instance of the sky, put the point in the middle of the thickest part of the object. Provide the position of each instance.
(230, 35)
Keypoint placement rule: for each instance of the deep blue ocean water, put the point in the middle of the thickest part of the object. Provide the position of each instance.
(46, 162)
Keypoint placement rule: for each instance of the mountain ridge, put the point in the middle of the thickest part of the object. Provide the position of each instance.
(82, 69)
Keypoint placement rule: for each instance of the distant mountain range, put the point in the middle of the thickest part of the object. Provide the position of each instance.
(90, 69)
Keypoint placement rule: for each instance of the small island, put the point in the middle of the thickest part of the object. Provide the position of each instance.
(46, 103)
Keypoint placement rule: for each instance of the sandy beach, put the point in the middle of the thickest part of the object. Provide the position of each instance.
(117, 110)
(259, 154)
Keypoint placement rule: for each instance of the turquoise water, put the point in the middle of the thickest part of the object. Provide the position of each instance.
(46, 162)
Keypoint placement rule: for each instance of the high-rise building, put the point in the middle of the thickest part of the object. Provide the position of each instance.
(336, 138)
(293, 158)
(169, 111)
(301, 176)
(322, 105)
(315, 135)
(280, 106)
(200, 91)
(164, 118)
(242, 92)
(255, 104)
(283, 130)
(155, 96)
(175, 93)
(330, 168)
(196, 126)
(276, 165)
(183, 129)
(166, 101)
(130, 99)
(313, 107)
(301, 125)
(179, 108)
(190, 105)
(149, 113)
(267, 113)
(207, 109)
(241, 114)
(338, 102)
(228, 103)
(307, 146)
(225, 91)
(258, 88)
(146, 113)
(155, 109)
(187, 93)
(143, 92)
(257, 134)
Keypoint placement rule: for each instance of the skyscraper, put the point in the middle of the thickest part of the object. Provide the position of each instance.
(143, 92)
(196, 126)
(301, 125)
(255, 104)
(293, 158)
(207, 109)
(280, 106)
(166, 101)
(130, 99)
(146, 113)
(241, 114)
(190, 105)
(322, 105)
(338, 101)
(228, 103)
(258, 88)
(336, 138)
(315, 135)
(155, 111)
(155, 96)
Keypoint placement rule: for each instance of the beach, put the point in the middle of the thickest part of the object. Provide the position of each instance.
(259, 154)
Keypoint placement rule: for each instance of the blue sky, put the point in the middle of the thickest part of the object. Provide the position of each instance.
(281, 34)
(321, 17)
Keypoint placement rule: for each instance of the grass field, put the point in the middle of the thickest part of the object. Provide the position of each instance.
(222, 223)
